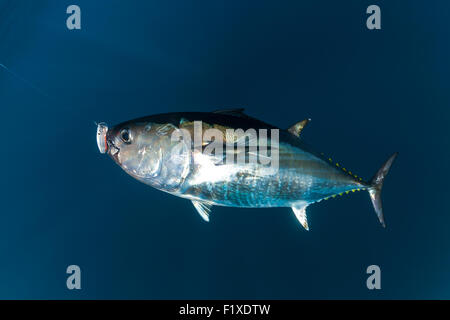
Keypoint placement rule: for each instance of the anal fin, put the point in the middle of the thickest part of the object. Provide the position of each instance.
(203, 208)
(300, 214)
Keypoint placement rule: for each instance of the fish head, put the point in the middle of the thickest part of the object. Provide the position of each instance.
(148, 151)
(133, 146)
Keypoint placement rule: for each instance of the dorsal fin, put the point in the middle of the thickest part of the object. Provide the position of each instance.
(297, 128)
(239, 112)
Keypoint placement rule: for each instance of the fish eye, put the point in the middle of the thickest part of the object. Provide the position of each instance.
(125, 135)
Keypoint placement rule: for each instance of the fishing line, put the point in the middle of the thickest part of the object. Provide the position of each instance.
(28, 83)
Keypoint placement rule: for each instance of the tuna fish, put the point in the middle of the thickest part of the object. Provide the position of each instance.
(159, 151)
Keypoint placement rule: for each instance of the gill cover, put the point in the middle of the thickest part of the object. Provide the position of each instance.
(102, 129)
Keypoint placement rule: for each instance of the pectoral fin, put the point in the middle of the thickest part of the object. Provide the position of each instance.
(300, 214)
(203, 208)
(297, 128)
(165, 129)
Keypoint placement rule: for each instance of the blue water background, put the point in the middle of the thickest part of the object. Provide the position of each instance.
(369, 93)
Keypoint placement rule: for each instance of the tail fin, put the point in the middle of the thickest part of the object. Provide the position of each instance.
(375, 187)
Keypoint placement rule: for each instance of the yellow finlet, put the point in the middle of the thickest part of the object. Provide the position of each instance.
(345, 170)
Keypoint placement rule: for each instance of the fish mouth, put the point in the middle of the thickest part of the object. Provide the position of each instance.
(112, 148)
(105, 141)
(102, 130)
